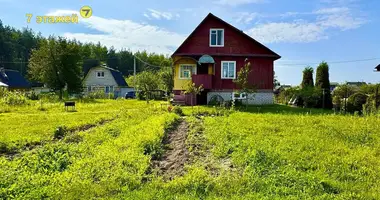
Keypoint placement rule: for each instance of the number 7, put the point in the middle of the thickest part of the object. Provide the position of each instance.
(29, 17)
(86, 10)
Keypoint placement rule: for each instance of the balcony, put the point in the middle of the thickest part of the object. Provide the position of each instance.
(203, 79)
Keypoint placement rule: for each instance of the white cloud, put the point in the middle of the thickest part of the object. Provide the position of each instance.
(302, 31)
(246, 17)
(237, 2)
(125, 34)
(298, 31)
(160, 15)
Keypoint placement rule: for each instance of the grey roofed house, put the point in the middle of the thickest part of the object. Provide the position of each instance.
(103, 78)
(13, 79)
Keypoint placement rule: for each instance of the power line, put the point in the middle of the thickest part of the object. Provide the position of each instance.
(332, 62)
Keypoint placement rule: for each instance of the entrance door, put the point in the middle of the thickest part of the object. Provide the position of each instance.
(202, 98)
(202, 69)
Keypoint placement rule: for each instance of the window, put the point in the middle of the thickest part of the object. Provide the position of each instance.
(107, 89)
(100, 74)
(228, 69)
(111, 88)
(186, 71)
(216, 37)
(89, 88)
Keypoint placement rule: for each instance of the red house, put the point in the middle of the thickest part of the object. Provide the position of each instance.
(213, 54)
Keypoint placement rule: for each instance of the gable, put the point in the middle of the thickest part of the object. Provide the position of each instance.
(111, 77)
(236, 42)
(92, 79)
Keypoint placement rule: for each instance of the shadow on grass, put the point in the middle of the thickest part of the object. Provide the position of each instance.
(283, 109)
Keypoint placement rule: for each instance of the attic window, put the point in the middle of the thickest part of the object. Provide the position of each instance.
(100, 74)
(216, 37)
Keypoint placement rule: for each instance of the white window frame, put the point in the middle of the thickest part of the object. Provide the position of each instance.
(217, 29)
(101, 73)
(221, 69)
(180, 67)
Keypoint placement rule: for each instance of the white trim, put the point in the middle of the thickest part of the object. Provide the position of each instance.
(221, 69)
(97, 75)
(216, 29)
(179, 71)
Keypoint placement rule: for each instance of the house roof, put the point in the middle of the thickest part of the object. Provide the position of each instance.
(210, 15)
(13, 79)
(117, 75)
(377, 68)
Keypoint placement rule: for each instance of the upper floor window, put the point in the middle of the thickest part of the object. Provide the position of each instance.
(100, 74)
(216, 37)
(228, 69)
(185, 71)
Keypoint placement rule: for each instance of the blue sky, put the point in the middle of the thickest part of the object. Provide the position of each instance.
(303, 32)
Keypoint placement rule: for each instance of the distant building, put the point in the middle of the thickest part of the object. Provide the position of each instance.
(13, 80)
(358, 84)
(377, 68)
(103, 78)
(333, 85)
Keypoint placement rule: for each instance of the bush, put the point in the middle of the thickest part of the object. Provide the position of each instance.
(13, 98)
(178, 110)
(60, 132)
(371, 107)
(356, 102)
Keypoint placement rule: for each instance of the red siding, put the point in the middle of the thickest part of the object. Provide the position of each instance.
(238, 47)
(234, 42)
(261, 73)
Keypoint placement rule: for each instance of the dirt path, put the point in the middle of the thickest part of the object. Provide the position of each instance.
(176, 154)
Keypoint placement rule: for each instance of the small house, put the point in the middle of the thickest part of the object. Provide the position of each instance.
(13, 80)
(107, 80)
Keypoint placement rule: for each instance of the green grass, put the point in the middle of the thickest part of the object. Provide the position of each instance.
(274, 152)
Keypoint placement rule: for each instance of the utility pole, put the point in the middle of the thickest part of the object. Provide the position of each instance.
(134, 73)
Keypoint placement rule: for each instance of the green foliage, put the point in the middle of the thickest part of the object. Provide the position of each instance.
(166, 79)
(242, 80)
(146, 82)
(322, 81)
(310, 96)
(307, 78)
(356, 102)
(12, 98)
(57, 63)
(178, 110)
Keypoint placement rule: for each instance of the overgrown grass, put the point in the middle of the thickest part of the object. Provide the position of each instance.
(273, 152)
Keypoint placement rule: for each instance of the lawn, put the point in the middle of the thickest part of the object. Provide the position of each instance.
(265, 152)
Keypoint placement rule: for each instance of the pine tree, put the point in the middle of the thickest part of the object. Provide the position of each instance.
(307, 79)
(322, 82)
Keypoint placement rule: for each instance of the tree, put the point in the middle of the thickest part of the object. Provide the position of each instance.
(112, 59)
(193, 90)
(146, 82)
(323, 83)
(166, 79)
(342, 92)
(275, 81)
(307, 79)
(243, 83)
(57, 63)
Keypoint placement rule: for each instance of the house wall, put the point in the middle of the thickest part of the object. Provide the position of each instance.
(262, 97)
(179, 83)
(92, 80)
(235, 42)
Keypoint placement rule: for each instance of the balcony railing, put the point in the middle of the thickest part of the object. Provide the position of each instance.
(203, 79)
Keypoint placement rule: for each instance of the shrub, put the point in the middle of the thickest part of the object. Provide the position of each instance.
(60, 132)
(14, 98)
(178, 110)
(356, 102)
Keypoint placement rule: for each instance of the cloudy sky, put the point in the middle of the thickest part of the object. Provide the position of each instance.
(303, 32)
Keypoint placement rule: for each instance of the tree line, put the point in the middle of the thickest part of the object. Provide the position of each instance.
(343, 98)
(61, 63)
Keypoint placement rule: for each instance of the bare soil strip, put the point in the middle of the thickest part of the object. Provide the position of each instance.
(176, 154)
(10, 154)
